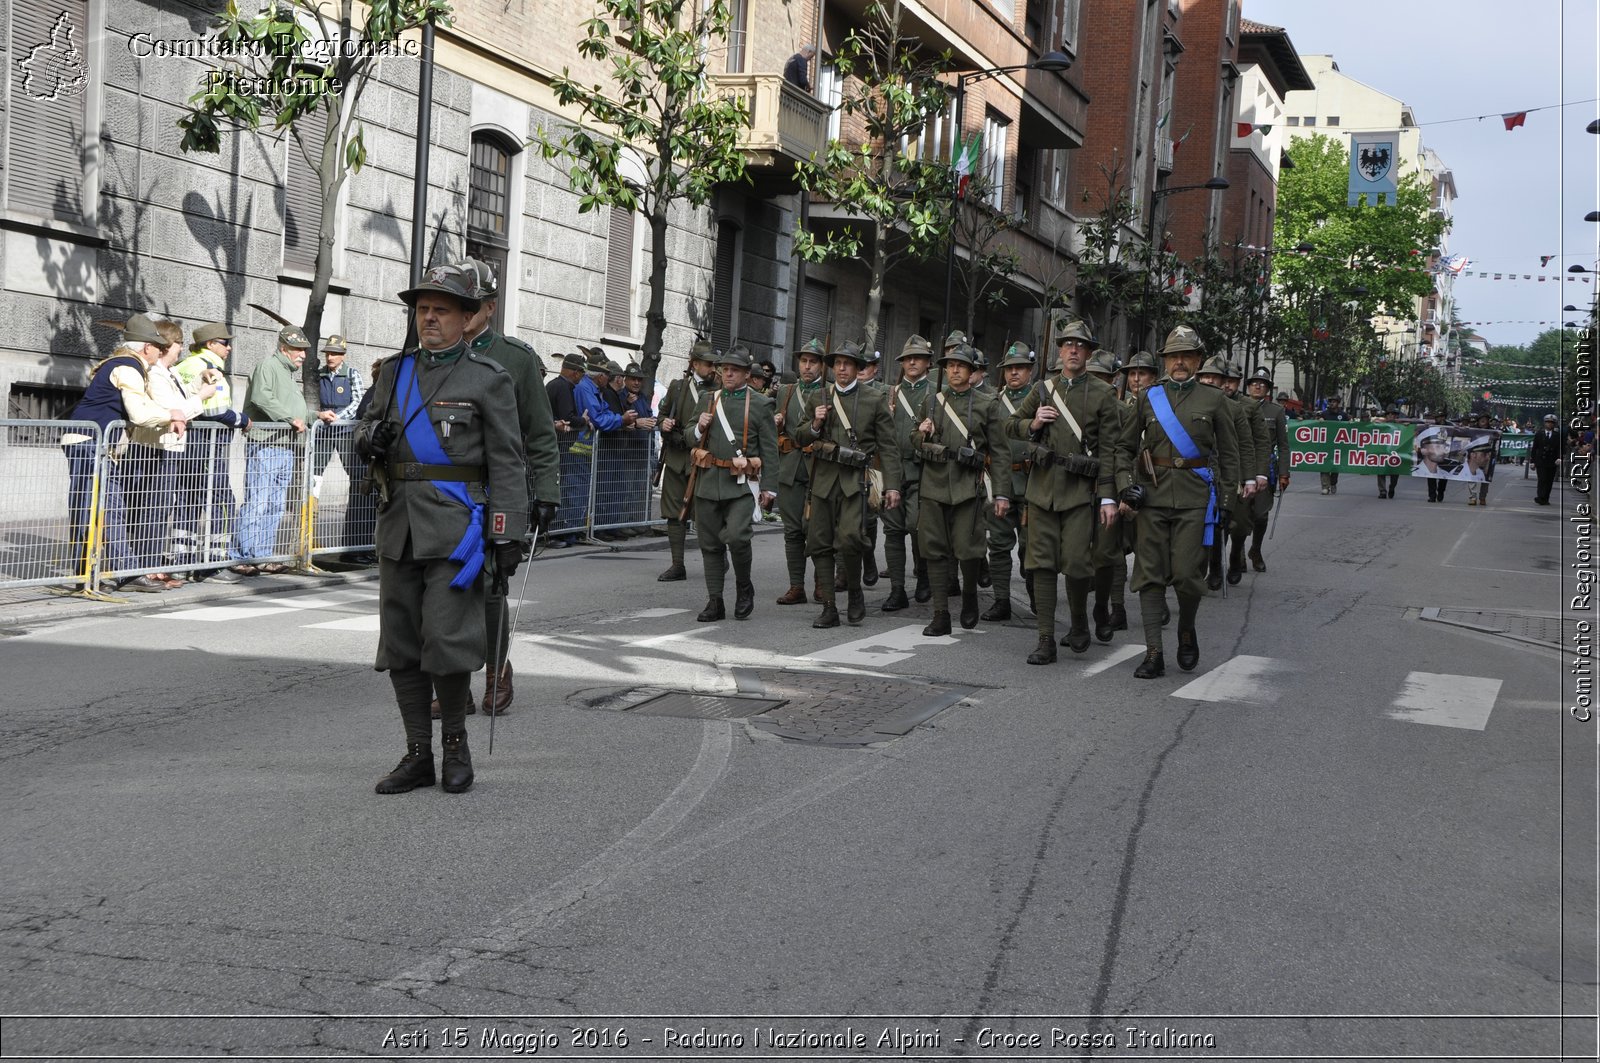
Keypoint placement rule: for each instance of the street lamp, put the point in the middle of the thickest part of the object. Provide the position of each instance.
(1058, 62)
(1216, 184)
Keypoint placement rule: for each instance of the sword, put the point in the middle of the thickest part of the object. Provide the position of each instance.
(502, 586)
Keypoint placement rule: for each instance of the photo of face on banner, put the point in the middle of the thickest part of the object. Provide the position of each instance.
(1445, 452)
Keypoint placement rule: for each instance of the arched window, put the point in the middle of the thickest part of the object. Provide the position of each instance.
(489, 211)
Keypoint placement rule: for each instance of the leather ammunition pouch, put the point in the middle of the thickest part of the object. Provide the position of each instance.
(703, 459)
(847, 456)
(789, 446)
(1042, 457)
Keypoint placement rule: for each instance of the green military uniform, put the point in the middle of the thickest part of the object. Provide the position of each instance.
(960, 459)
(738, 444)
(541, 457)
(442, 501)
(858, 431)
(1072, 471)
(1229, 502)
(794, 475)
(869, 559)
(1276, 420)
(1129, 524)
(905, 400)
(1110, 556)
(1176, 495)
(678, 405)
(1255, 468)
(1011, 482)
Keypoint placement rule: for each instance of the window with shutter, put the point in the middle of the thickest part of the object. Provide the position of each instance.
(302, 193)
(816, 313)
(619, 273)
(50, 84)
(724, 286)
(488, 210)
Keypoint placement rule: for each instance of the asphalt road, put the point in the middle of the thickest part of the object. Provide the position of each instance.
(1350, 832)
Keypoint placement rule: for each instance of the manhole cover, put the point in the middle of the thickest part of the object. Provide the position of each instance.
(703, 706)
(845, 709)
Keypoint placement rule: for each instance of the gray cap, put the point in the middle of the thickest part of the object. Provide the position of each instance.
(851, 351)
(1076, 329)
(140, 329)
(916, 347)
(737, 356)
(1102, 361)
(1216, 365)
(1142, 360)
(575, 361)
(446, 280)
(814, 348)
(955, 339)
(1181, 340)
(963, 354)
(211, 330)
(485, 284)
(1264, 375)
(1018, 354)
(294, 338)
(335, 344)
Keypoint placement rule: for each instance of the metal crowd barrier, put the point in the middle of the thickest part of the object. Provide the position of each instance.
(80, 506)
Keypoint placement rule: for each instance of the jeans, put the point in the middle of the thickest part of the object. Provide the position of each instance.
(267, 472)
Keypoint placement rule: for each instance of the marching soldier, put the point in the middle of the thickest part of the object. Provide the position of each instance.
(1177, 458)
(1072, 425)
(1011, 482)
(906, 400)
(1261, 442)
(855, 433)
(869, 560)
(1275, 444)
(677, 406)
(731, 440)
(541, 456)
(1140, 372)
(1110, 560)
(960, 438)
(794, 467)
(443, 435)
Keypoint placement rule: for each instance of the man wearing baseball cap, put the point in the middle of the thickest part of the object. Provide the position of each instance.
(443, 429)
(273, 398)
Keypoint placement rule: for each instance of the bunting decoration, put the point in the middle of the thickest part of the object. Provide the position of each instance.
(1244, 129)
(966, 162)
(1514, 119)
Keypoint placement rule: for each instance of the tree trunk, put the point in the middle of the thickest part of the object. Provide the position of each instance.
(655, 318)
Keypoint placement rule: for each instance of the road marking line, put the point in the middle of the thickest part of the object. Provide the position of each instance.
(1118, 655)
(885, 648)
(642, 614)
(1242, 678)
(351, 623)
(1463, 701)
(676, 636)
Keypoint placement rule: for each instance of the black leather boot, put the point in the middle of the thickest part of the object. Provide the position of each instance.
(673, 573)
(744, 602)
(969, 606)
(896, 601)
(999, 611)
(415, 769)
(984, 578)
(1153, 666)
(1076, 639)
(1188, 649)
(1119, 618)
(712, 612)
(924, 589)
(1027, 581)
(869, 569)
(455, 766)
(855, 607)
(939, 625)
(1045, 652)
(829, 617)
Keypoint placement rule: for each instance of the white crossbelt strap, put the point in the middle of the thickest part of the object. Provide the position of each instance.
(727, 429)
(966, 437)
(1010, 406)
(1072, 422)
(844, 418)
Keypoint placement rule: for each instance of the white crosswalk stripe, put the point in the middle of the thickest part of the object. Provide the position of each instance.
(1243, 678)
(1463, 701)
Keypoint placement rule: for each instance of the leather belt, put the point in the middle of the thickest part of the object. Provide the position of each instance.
(1175, 463)
(789, 446)
(415, 470)
(1018, 466)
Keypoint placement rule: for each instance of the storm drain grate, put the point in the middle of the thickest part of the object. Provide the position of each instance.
(703, 706)
(1538, 628)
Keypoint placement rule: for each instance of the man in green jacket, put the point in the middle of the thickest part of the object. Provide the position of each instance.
(1214, 374)
(855, 435)
(1110, 558)
(682, 396)
(906, 398)
(1177, 460)
(732, 441)
(1258, 464)
(959, 437)
(269, 454)
(1072, 424)
(1276, 419)
(794, 466)
(1011, 479)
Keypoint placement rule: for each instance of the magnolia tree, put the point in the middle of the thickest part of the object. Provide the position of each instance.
(657, 134)
(292, 61)
(899, 207)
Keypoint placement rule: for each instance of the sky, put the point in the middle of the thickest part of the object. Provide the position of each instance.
(1522, 194)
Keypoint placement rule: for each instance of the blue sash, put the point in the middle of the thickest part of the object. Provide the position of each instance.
(1180, 440)
(426, 449)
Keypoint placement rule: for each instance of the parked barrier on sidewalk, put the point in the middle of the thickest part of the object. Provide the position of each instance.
(79, 505)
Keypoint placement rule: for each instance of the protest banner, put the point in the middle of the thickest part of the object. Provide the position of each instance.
(1388, 449)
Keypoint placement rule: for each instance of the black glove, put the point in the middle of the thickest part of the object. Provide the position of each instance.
(507, 556)
(374, 443)
(544, 515)
(1135, 496)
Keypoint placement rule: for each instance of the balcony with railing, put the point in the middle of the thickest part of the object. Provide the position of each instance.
(787, 124)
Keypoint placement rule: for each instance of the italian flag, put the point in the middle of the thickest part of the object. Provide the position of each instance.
(966, 162)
